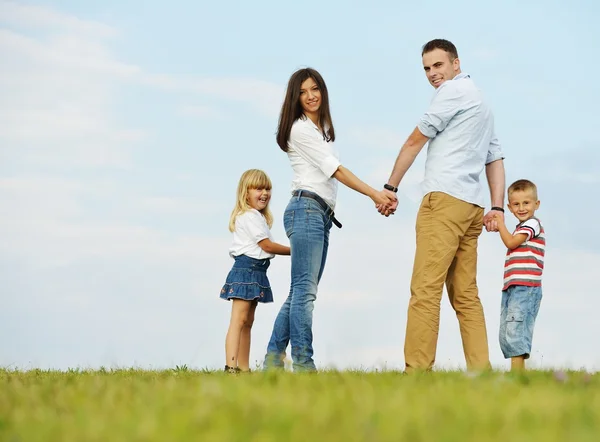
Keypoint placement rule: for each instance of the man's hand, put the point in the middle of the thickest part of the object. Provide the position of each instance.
(491, 220)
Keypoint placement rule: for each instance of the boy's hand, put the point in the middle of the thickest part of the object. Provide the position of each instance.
(498, 218)
(491, 220)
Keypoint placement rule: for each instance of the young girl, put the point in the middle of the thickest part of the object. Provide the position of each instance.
(252, 248)
(306, 134)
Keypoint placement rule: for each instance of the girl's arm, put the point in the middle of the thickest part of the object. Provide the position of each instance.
(273, 247)
(511, 241)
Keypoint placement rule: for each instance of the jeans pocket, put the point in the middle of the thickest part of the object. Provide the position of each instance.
(288, 222)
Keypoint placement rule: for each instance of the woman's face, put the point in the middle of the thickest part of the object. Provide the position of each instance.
(310, 96)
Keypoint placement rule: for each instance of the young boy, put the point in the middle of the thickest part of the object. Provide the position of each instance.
(522, 290)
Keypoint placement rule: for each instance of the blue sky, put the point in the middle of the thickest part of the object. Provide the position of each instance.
(124, 129)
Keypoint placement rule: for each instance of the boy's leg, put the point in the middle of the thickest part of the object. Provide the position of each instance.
(517, 363)
(245, 338)
(502, 329)
(522, 308)
(239, 316)
(461, 284)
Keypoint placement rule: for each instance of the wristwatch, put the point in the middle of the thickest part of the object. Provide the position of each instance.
(390, 187)
(499, 209)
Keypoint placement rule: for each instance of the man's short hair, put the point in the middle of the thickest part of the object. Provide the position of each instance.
(523, 186)
(444, 45)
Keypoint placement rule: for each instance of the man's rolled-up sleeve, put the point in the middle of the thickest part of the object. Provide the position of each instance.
(447, 102)
(494, 151)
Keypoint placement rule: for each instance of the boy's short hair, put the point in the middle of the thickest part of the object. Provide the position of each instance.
(523, 186)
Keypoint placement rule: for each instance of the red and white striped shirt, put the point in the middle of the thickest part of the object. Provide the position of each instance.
(524, 264)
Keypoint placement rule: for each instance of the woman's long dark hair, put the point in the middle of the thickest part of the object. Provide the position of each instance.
(291, 109)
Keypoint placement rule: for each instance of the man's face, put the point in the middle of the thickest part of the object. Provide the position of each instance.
(439, 68)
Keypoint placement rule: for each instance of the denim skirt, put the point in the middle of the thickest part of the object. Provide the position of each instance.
(248, 280)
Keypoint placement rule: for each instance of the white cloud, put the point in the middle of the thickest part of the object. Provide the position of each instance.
(58, 94)
(60, 89)
(36, 17)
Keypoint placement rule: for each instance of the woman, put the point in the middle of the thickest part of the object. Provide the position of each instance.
(305, 132)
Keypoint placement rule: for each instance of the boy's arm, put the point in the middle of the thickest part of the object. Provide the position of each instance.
(272, 247)
(511, 241)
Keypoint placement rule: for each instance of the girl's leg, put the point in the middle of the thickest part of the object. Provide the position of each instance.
(244, 349)
(239, 316)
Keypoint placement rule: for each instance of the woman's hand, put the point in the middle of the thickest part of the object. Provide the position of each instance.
(385, 201)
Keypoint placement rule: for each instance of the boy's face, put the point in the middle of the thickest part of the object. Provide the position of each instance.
(523, 204)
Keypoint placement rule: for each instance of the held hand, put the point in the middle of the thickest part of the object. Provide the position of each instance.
(492, 219)
(383, 198)
(387, 210)
(389, 207)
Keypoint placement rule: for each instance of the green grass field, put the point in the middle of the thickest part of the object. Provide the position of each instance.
(180, 404)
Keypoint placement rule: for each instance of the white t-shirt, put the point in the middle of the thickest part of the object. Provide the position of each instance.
(250, 228)
(313, 160)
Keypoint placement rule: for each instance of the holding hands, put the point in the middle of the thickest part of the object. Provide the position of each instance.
(386, 202)
(492, 219)
(388, 206)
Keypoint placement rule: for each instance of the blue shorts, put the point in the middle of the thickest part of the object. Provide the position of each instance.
(518, 311)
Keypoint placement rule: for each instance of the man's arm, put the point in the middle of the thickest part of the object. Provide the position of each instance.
(496, 181)
(405, 159)
(407, 155)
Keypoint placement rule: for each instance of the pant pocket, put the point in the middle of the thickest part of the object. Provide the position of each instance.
(288, 222)
(514, 326)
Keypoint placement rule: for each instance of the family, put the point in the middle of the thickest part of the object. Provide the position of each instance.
(459, 129)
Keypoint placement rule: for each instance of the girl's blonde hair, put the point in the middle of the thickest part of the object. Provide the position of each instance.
(250, 179)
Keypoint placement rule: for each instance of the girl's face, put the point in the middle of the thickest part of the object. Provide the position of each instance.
(310, 96)
(258, 198)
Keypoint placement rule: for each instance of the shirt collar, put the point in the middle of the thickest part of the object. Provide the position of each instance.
(461, 76)
(312, 123)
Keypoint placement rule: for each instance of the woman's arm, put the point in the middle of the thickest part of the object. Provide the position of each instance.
(346, 177)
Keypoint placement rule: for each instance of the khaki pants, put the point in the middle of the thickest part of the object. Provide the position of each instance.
(447, 233)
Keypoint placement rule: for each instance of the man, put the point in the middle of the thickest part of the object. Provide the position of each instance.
(459, 127)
